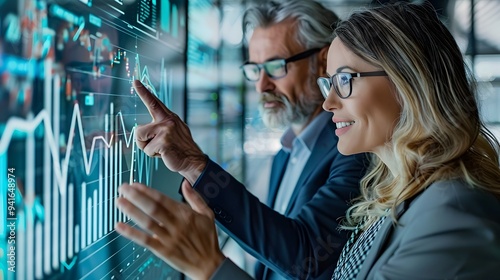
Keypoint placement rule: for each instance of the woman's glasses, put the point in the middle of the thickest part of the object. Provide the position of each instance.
(342, 82)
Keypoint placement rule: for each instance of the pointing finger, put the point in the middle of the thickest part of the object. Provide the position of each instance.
(156, 108)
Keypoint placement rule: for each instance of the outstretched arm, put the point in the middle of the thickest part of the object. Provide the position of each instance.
(304, 245)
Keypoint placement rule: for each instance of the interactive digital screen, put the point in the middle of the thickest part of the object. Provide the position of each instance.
(67, 119)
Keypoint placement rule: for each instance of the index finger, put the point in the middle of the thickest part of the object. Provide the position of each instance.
(150, 193)
(156, 108)
(153, 195)
(150, 201)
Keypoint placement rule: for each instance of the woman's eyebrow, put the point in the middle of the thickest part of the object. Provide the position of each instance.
(342, 68)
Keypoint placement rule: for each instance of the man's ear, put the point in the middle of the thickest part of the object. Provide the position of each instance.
(322, 58)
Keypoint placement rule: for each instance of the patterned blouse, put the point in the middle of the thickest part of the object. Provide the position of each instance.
(355, 251)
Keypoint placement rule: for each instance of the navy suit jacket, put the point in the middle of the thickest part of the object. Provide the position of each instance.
(305, 243)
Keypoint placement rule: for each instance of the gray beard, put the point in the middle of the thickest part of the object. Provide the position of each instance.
(282, 118)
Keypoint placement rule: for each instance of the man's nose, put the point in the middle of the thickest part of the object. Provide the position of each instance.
(265, 83)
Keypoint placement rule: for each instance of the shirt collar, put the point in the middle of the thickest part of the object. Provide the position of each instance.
(309, 135)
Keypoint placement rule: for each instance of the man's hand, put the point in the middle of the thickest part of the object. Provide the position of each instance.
(168, 137)
(182, 236)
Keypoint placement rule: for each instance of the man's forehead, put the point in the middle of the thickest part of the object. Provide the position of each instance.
(277, 41)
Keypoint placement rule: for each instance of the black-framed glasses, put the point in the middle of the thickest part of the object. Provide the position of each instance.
(342, 82)
(274, 68)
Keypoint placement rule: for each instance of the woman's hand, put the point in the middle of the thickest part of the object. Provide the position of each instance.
(185, 237)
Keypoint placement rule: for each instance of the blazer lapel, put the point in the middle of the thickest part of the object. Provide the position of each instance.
(326, 141)
(277, 171)
(379, 242)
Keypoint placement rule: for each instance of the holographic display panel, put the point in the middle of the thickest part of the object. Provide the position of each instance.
(67, 119)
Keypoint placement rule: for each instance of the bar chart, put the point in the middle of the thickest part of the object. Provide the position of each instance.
(68, 132)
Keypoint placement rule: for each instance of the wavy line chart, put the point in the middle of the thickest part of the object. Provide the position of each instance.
(67, 131)
(61, 169)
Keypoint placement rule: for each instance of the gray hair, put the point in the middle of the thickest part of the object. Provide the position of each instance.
(315, 23)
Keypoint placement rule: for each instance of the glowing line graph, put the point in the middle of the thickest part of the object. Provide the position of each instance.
(165, 90)
(143, 75)
(61, 174)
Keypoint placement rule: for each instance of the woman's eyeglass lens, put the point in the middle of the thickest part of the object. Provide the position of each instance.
(342, 82)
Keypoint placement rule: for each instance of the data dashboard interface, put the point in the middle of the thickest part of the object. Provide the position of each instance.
(68, 115)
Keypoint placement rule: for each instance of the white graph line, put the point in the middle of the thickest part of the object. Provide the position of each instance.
(61, 174)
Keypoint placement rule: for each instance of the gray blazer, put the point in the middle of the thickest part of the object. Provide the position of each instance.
(450, 231)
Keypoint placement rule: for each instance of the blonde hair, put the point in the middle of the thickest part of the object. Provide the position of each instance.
(439, 134)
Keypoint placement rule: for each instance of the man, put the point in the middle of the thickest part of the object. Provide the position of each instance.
(296, 234)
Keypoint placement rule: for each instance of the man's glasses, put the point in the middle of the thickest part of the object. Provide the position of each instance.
(275, 68)
(342, 82)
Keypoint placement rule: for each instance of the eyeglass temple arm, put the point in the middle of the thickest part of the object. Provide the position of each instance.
(302, 55)
(367, 74)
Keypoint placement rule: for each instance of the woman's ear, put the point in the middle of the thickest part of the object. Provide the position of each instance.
(322, 58)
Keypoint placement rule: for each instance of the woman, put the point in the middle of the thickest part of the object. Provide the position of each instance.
(399, 89)
(430, 206)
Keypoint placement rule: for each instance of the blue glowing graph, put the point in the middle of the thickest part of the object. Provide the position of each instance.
(67, 122)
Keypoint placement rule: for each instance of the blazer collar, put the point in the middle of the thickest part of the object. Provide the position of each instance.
(277, 172)
(379, 243)
(325, 143)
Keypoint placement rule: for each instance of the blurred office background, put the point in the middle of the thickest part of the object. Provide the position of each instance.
(222, 106)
